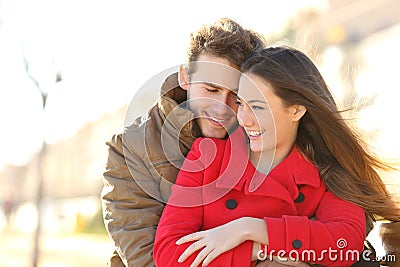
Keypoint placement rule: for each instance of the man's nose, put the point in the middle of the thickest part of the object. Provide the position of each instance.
(221, 105)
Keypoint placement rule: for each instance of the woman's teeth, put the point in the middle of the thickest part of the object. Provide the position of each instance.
(255, 133)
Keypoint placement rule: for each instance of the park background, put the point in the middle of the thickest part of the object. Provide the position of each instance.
(89, 58)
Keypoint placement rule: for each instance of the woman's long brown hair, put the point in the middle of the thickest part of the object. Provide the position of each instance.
(346, 166)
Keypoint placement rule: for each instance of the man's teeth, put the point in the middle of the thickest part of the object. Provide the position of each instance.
(216, 120)
(255, 133)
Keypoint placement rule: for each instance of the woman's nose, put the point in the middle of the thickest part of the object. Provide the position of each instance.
(245, 117)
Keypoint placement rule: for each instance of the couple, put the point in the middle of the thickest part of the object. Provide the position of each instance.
(292, 158)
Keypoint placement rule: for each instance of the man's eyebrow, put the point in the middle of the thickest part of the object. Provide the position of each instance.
(213, 85)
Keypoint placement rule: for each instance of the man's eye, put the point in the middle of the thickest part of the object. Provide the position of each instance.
(211, 90)
(238, 102)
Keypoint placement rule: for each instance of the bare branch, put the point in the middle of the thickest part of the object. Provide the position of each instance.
(27, 70)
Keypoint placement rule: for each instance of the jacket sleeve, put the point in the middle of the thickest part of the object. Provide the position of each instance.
(178, 221)
(334, 238)
(130, 214)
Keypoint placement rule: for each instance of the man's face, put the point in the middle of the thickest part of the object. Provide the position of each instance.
(212, 95)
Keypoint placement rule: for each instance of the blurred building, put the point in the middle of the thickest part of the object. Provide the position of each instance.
(352, 21)
(362, 39)
(72, 178)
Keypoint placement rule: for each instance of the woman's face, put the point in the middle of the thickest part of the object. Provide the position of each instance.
(269, 124)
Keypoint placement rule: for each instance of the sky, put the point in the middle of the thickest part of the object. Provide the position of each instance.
(104, 50)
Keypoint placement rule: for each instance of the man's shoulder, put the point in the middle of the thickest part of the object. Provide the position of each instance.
(134, 134)
(131, 133)
(136, 127)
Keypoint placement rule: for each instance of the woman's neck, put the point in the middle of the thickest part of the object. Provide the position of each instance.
(266, 160)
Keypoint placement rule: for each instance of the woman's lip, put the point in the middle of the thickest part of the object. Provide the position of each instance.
(252, 134)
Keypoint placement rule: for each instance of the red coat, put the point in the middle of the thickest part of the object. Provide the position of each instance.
(220, 185)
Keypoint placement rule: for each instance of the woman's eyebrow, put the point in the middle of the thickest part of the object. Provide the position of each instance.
(255, 101)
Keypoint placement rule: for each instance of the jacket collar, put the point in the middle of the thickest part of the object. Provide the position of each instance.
(171, 89)
(173, 111)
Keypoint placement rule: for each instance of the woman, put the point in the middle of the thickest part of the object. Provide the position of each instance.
(306, 189)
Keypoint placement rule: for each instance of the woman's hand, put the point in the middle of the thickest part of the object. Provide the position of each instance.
(215, 241)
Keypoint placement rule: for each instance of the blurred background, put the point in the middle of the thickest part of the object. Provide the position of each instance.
(86, 59)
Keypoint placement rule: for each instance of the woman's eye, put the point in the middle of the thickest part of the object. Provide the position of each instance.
(257, 107)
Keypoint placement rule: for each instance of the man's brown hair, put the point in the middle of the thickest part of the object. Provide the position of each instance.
(226, 39)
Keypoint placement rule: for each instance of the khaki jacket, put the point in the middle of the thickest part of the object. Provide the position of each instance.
(143, 162)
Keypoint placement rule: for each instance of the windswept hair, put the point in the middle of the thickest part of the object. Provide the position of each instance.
(344, 160)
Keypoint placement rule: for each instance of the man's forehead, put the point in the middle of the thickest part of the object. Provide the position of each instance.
(216, 74)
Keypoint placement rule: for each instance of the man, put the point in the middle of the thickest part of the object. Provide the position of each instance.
(145, 159)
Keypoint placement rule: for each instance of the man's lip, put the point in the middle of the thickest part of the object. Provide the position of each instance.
(215, 120)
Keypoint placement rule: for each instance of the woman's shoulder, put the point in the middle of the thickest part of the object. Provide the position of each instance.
(213, 148)
(207, 147)
(208, 142)
(218, 143)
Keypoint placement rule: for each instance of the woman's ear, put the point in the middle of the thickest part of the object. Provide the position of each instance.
(297, 112)
(183, 77)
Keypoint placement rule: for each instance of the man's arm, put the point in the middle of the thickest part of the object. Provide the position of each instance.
(130, 214)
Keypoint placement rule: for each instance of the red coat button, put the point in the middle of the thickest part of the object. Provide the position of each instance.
(297, 244)
(231, 204)
(300, 198)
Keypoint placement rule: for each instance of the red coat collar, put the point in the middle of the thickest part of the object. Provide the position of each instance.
(283, 181)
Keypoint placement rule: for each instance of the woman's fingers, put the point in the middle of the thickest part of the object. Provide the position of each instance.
(200, 257)
(190, 237)
(191, 249)
(210, 257)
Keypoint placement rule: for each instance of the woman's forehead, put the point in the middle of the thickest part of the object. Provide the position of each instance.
(253, 86)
